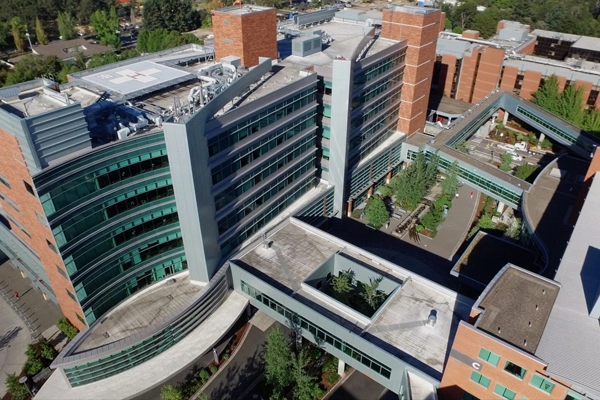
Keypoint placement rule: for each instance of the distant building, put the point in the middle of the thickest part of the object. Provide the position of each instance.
(516, 60)
(66, 50)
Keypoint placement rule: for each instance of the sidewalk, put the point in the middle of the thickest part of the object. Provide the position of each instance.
(40, 314)
(14, 338)
(455, 227)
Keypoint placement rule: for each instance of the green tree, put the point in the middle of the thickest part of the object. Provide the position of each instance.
(172, 15)
(278, 357)
(376, 212)
(486, 22)
(484, 222)
(40, 33)
(33, 366)
(5, 32)
(106, 26)
(525, 171)
(384, 191)
(161, 39)
(17, 27)
(371, 294)
(31, 67)
(451, 184)
(66, 26)
(506, 160)
(46, 350)
(463, 14)
(67, 328)
(548, 95)
(571, 105)
(303, 382)
(18, 391)
(342, 285)
(170, 392)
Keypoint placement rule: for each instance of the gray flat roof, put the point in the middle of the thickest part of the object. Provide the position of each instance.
(552, 67)
(400, 326)
(147, 308)
(516, 306)
(571, 342)
(137, 77)
(555, 35)
(588, 43)
(242, 9)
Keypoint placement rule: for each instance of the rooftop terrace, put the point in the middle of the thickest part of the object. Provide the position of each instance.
(516, 307)
(399, 326)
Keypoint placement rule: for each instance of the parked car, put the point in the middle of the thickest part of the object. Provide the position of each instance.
(515, 156)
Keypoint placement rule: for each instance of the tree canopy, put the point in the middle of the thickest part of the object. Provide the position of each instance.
(106, 26)
(172, 15)
(278, 358)
(376, 212)
(161, 39)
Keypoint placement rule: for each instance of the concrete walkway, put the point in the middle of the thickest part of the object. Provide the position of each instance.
(455, 227)
(157, 370)
(14, 338)
(40, 313)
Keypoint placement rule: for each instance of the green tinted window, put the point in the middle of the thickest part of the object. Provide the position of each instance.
(542, 384)
(482, 380)
(488, 356)
(504, 392)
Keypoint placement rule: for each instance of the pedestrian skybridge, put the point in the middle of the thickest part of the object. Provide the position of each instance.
(487, 178)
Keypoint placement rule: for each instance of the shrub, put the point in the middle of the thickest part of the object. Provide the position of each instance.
(332, 378)
(46, 350)
(204, 375)
(33, 366)
(18, 391)
(317, 391)
(525, 171)
(356, 212)
(384, 191)
(170, 392)
(67, 328)
(213, 369)
(330, 366)
(31, 351)
(226, 356)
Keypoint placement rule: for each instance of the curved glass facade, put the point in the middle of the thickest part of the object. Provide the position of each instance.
(159, 342)
(114, 218)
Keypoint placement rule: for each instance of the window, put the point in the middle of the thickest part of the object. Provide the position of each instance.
(29, 188)
(488, 356)
(469, 396)
(9, 202)
(482, 380)
(515, 370)
(62, 272)
(41, 218)
(52, 247)
(504, 392)
(71, 295)
(572, 396)
(80, 319)
(542, 384)
(4, 181)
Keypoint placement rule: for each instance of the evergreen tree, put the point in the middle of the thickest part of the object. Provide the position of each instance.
(18, 391)
(66, 26)
(16, 28)
(548, 95)
(172, 15)
(505, 163)
(571, 105)
(161, 39)
(40, 33)
(106, 26)
(278, 357)
(371, 293)
(303, 382)
(342, 285)
(451, 184)
(376, 212)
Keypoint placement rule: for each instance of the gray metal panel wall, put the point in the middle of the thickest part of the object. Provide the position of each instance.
(24, 258)
(192, 181)
(58, 133)
(18, 127)
(340, 120)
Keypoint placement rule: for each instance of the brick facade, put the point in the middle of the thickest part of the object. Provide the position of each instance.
(469, 341)
(248, 36)
(12, 167)
(421, 31)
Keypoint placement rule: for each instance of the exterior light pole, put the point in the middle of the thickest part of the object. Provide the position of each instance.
(23, 380)
(29, 39)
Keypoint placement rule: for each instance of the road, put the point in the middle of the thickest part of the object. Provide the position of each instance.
(487, 151)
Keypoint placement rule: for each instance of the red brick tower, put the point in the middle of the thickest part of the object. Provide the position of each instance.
(420, 27)
(248, 32)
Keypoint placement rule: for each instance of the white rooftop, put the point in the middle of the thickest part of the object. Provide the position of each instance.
(134, 78)
(570, 343)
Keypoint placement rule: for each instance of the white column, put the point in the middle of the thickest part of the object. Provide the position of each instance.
(505, 119)
(341, 367)
(542, 138)
(500, 208)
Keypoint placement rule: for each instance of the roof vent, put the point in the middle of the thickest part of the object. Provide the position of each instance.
(432, 319)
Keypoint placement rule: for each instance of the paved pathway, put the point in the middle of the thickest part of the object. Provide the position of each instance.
(455, 227)
(41, 314)
(14, 338)
(359, 387)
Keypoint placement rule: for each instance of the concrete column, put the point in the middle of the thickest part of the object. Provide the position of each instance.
(350, 207)
(500, 208)
(505, 119)
(542, 138)
(388, 178)
(23, 274)
(341, 367)
(370, 192)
